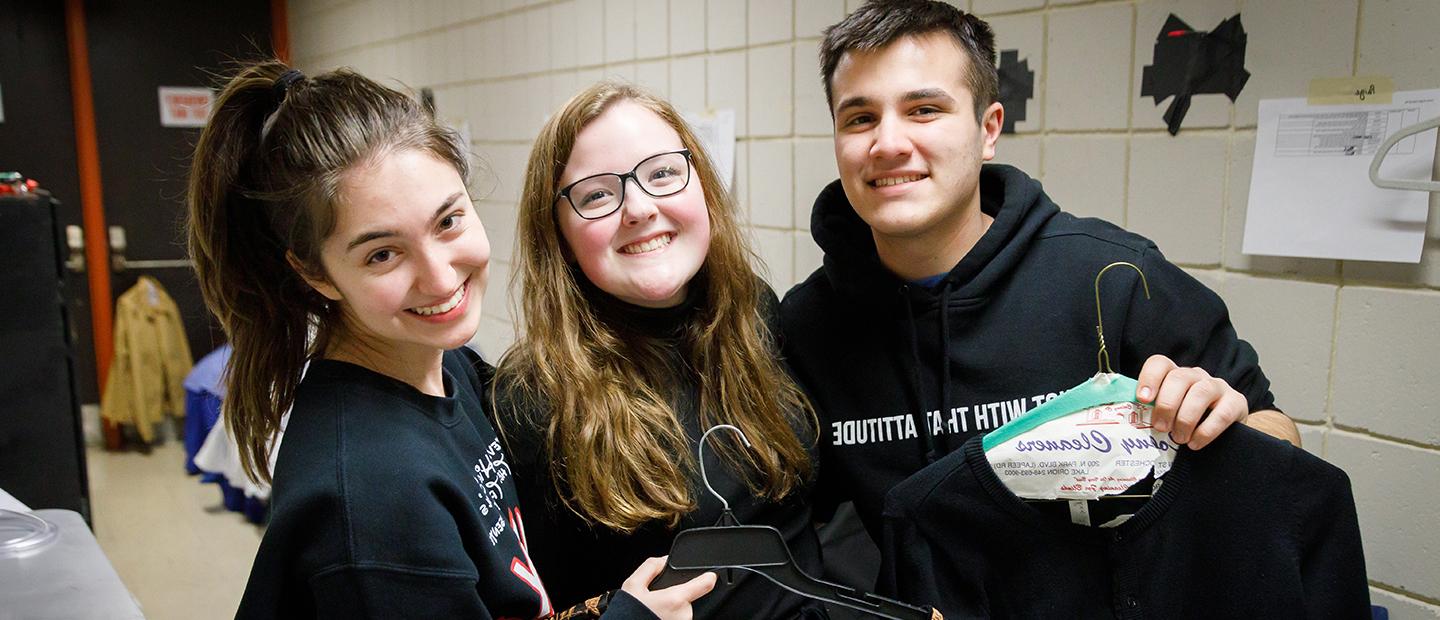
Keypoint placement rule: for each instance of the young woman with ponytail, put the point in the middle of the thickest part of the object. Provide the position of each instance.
(334, 238)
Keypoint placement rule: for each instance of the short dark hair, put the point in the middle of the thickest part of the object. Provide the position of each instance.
(879, 23)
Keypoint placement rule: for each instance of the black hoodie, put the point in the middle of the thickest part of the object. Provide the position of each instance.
(902, 374)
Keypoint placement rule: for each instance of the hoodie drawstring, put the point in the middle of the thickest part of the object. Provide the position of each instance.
(943, 368)
(929, 451)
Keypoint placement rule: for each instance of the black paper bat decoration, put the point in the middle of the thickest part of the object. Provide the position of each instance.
(1188, 62)
(1017, 84)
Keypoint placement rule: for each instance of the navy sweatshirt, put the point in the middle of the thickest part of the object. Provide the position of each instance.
(902, 375)
(391, 503)
(1249, 527)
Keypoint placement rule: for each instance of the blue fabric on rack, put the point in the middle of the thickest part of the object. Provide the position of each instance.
(204, 388)
(233, 498)
(208, 373)
(202, 410)
(204, 391)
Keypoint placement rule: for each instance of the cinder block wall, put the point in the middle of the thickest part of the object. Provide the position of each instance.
(1351, 346)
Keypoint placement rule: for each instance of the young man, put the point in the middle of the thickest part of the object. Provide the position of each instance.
(956, 296)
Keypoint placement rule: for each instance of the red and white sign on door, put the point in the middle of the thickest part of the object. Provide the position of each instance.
(184, 106)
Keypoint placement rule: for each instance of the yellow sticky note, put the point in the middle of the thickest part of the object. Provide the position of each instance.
(1357, 89)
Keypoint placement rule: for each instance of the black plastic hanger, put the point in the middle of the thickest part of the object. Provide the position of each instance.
(760, 549)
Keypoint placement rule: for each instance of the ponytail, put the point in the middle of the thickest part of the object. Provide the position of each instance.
(263, 187)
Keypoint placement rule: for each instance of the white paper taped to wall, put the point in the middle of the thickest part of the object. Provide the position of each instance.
(716, 132)
(1310, 189)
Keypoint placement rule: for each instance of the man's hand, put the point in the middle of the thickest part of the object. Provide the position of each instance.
(672, 603)
(1181, 397)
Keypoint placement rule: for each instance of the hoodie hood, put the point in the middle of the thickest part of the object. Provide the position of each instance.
(853, 266)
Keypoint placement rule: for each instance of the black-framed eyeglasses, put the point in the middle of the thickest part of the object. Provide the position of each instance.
(599, 195)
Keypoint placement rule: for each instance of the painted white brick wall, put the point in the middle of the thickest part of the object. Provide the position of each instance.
(1312, 436)
(771, 86)
(1177, 189)
(1282, 65)
(1291, 321)
(687, 26)
(1087, 174)
(1385, 358)
(1088, 67)
(771, 184)
(771, 21)
(809, 94)
(1397, 39)
(1022, 151)
(1350, 346)
(1397, 520)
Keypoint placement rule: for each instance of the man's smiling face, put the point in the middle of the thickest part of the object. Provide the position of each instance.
(907, 142)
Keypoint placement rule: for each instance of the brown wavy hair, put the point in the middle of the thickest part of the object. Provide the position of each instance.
(264, 186)
(617, 452)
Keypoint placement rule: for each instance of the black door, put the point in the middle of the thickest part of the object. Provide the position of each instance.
(135, 48)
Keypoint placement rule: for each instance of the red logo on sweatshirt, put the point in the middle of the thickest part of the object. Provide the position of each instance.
(524, 569)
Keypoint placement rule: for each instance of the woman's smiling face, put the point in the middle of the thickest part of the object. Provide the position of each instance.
(647, 252)
(408, 259)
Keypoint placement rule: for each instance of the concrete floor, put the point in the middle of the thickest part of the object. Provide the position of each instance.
(181, 554)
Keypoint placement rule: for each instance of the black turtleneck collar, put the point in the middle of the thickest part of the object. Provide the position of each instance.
(663, 323)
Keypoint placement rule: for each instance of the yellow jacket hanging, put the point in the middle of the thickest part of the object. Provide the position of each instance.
(151, 360)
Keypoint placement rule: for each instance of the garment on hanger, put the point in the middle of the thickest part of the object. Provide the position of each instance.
(204, 389)
(152, 358)
(209, 450)
(1251, 526)
(1093, 441)
(219, 456)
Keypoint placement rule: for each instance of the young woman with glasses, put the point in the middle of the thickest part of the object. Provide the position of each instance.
(644, 325)
(331, 227)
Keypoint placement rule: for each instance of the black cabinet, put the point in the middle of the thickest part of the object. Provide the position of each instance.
(42, 456)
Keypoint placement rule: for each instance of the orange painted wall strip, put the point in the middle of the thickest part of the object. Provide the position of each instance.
(280, 30)
(87, 155)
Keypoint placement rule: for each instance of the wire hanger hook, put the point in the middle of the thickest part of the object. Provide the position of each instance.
(706, 479)
(1102, 358)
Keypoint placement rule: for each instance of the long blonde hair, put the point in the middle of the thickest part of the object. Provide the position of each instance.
(617, 451)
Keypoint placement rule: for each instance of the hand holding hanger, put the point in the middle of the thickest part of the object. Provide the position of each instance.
(666, 603)
(1149, 419)
(1182, 395)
